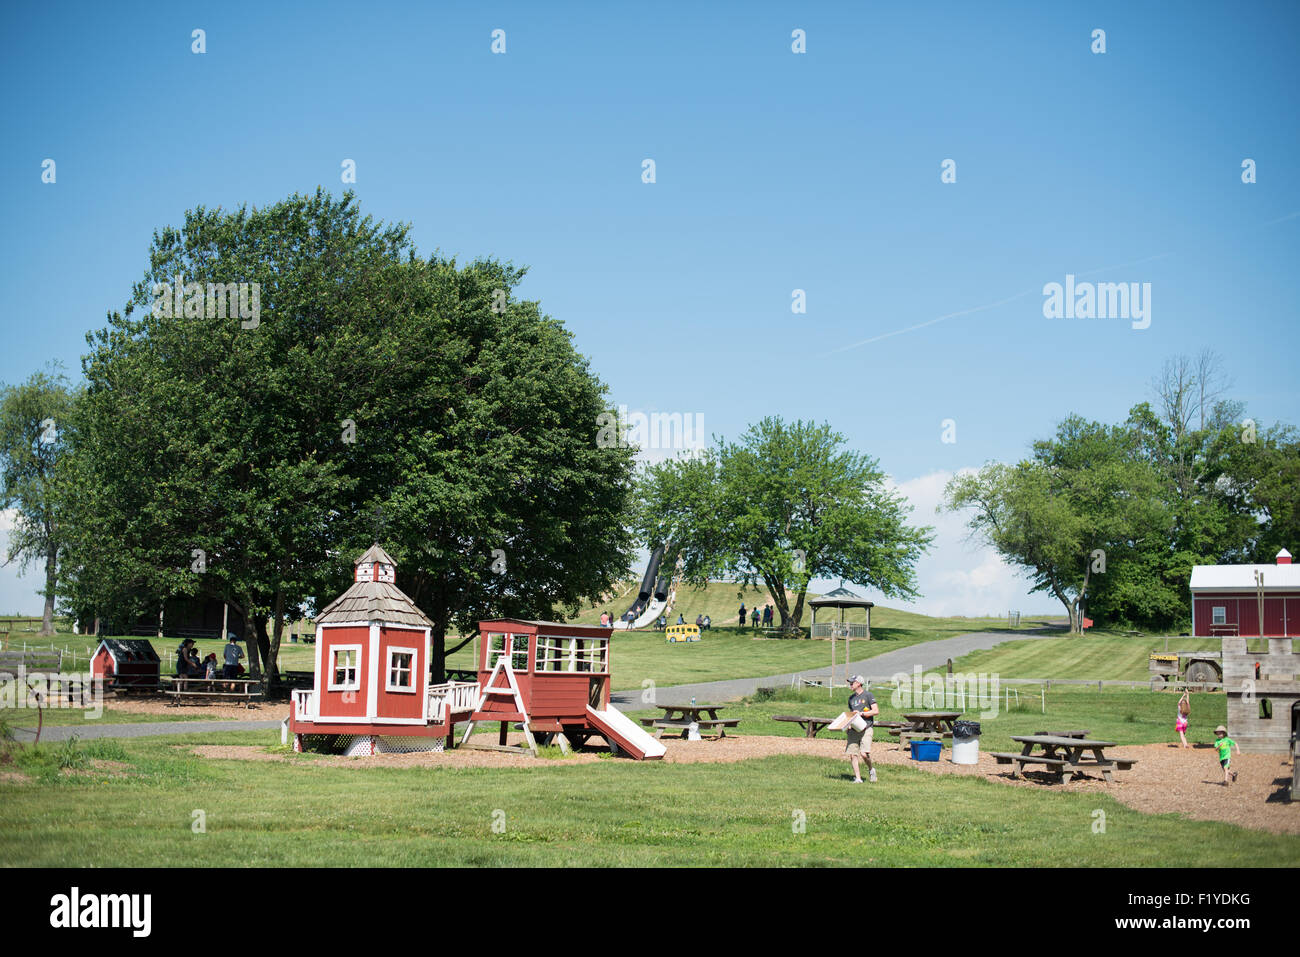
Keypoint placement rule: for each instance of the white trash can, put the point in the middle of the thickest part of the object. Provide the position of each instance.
(966, 742)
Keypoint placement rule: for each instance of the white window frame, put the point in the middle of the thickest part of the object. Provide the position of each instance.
(388, 671)
(1218, 614)
(355, 668)
(592, 659)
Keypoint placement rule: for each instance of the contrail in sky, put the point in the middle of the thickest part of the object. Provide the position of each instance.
(1020, 295)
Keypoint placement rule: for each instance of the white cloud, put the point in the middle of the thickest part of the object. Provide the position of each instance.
(960, 576)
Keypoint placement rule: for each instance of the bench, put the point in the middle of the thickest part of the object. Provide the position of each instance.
(811, 726)
(30, 662)
(1061, 765)
(661, 725)
(1083, 733)
(199, 690)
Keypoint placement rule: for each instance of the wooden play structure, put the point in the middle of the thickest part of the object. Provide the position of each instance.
(372, 693)
(1263, 711)
(127, 664)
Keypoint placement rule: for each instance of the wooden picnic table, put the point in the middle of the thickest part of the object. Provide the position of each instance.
(925, 724)
(1063, 755)
(810, 725)
(686, 717)
(1081, 733)
(185, 689)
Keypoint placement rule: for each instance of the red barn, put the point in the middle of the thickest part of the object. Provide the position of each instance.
(1226, 599)
(126, 663)
(371, 690)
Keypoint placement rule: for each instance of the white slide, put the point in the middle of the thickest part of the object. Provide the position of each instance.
(621, 730)
(652, 611)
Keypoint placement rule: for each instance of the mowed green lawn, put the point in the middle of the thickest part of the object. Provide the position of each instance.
(1125, 716)
(1102, 657)
(778, 811)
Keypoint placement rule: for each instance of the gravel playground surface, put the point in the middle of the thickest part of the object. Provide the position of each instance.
(1165, 780)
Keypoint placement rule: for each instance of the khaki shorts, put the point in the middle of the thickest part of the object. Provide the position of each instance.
(859, 741)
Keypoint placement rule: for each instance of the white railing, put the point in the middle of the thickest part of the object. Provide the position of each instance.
(304, 704)
(452, 696)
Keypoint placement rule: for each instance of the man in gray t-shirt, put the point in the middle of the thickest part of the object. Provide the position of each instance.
(233, 653)
(861, 703)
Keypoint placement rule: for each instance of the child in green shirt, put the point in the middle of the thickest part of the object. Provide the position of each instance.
(1225, 745)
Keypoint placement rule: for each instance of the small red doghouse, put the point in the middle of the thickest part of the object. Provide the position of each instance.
(126, 664)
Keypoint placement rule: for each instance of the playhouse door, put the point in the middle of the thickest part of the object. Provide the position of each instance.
(596, 694)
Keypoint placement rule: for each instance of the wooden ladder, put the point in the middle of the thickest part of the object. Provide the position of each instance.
(503, 666)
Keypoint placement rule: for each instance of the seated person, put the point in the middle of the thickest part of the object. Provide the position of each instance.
(184, 663)
(699, 621)
(210, 667)
(680, 619)
(708, 623)
(662, 623)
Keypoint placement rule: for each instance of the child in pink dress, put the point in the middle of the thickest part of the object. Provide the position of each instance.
(1184, 710)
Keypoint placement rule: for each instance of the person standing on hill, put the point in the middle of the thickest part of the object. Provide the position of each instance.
(861, 703)
(742, 614)
(754, 616)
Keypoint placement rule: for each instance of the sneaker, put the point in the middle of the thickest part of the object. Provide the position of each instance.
(857, 780)
(872, 776)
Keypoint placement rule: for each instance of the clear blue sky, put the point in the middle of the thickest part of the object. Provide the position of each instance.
(775, 171)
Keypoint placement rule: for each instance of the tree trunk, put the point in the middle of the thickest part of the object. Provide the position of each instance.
(438, 651)
(273, 659)
(250, 641)
(51, 581)
(263, 647)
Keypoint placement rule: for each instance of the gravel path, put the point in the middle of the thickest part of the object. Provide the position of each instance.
(927, 654)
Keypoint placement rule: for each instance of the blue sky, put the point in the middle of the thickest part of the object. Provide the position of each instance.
(775, 171)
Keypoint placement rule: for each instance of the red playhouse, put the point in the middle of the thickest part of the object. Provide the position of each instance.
(371, 690)
(126, 664)
(1227, 599)
(553, 678)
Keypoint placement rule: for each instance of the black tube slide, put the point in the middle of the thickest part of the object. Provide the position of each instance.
(661, 589)
(647, 583)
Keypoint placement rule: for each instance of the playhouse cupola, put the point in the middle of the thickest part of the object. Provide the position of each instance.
(1284, 557)
(376, 565)
(374, 595)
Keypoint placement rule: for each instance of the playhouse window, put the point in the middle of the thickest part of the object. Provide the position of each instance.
(516, 646)
(552, 653)
(343, 676)
(1220, 615)
(400, 667)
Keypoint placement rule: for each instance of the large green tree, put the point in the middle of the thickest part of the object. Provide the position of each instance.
(785, 504)
(1075, 512)
(33, 420)
(374, 394)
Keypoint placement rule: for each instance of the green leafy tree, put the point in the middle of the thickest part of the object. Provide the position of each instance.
(32, 418)
(375, 394)
(1078, 509)
(782, 506)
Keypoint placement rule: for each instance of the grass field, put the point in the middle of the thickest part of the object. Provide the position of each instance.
(1101, 656)
(141, 811)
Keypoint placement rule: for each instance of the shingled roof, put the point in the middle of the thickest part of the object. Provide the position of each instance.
(375, 554)
(373, 601)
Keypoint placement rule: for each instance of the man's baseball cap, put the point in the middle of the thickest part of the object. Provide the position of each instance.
(856, 680)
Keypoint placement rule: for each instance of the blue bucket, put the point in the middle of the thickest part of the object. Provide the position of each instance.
(926, 750)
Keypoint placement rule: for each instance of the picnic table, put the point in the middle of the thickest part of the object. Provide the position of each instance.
(810, 725)
(686, 718)
(924, 724)
(1063, 755)
(196, 690)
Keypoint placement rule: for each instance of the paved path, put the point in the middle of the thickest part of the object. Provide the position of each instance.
(140, 730)
(927, 654)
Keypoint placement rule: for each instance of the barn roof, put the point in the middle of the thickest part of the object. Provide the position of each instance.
(1229, 578)
(129, 649)
(373, 601)
(547, 624)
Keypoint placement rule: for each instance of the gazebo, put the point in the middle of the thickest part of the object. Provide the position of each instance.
(843, 599)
